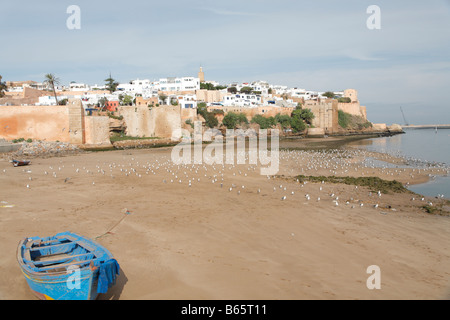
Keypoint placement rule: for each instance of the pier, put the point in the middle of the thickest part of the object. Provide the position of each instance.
(427, 126)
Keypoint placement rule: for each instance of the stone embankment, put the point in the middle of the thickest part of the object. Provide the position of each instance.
(144, 143)
(45, 148)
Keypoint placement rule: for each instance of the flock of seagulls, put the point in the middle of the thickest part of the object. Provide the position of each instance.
(232, 176)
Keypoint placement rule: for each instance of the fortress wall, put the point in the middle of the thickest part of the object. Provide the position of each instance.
(353, 108)
(49, 123)
(97, 131)
(158, 122)
(137, 120)
(166, 119)
(53, 123)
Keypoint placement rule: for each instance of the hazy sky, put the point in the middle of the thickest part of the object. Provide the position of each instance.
(316, 45)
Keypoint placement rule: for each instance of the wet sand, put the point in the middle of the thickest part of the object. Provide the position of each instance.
(204, 241)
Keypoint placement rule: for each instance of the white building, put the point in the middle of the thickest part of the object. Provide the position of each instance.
(261, 86)
(49, 100)
(277, 89)
(188, 101)
(177, 84)
(302, 93)
(135, 87)
(97, 87)
(242, 100)
(73, 86)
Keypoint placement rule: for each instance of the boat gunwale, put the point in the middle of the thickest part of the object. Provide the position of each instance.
(102, 255)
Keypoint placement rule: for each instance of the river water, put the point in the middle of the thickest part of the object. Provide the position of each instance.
(421, 147)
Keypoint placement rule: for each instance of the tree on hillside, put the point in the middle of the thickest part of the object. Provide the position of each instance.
(297, 123)
(102, 103)
(210, 118)
(246, 90)
(51, 81)
(231, 120)
(232, 90)
(283, 119)
(304, 114)
(264, 123)
(111, 84)
(163, 98)
(207, 86)
(344, 100)
(2, 88)
(328, 94)
(125, 100)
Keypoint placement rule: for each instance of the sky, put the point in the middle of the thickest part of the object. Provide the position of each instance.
(322, 45)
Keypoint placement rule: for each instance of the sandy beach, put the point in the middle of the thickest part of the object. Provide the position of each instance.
(226, 231)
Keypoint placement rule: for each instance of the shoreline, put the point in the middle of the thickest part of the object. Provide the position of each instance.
(227, 232)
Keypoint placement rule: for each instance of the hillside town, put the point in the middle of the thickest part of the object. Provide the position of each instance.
(144, 108)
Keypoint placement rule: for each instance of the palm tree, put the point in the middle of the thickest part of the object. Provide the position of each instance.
(51, 81)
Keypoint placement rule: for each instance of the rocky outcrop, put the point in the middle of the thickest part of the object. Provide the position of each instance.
(395, 128)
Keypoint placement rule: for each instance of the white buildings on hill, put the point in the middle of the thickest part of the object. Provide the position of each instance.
(177, 84)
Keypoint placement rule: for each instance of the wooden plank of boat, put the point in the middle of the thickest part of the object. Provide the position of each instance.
(50, 246)
(66, 257)
(58, 266)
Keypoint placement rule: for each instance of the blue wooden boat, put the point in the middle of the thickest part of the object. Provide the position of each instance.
(20, 163)
(66, 266)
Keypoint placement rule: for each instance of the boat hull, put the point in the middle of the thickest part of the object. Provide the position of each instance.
(18, 163)
(64, 287)
(59, 267)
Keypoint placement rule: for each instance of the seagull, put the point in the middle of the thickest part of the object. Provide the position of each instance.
(284, 198)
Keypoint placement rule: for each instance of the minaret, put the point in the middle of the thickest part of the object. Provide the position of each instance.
(201, 75)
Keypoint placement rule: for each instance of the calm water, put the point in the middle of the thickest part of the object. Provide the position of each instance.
(421, 147)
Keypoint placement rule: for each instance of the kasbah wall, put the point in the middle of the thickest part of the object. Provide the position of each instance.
(54, 123)
(69, 123)
(353, 107)
(162, 121)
